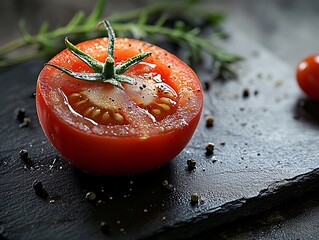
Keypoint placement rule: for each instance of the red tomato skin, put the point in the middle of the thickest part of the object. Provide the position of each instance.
(124, 155)
(114, 155)
(307, 75)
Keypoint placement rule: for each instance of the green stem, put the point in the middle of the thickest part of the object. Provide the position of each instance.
(111, 36)
(120, 69)
(108, 68)
(107, 73)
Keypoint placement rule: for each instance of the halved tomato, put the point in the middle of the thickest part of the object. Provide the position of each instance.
(109, 130)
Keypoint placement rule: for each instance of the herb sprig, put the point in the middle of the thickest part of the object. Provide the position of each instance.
(160, 23)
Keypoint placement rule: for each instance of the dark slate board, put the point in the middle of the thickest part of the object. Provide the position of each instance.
(270, 155)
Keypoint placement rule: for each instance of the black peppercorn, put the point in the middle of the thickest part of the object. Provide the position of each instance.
(209, 120)
(26, 121)
(191, 163)
(206, 86)
(168, 185)
(194, 198)
(91, 196)
(24, 154)
(39, 190)
(210, 148)
(20, 114)
(245, 93)
(105, 228)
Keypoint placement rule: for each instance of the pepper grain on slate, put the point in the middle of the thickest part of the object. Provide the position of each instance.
(91, 196)
(168, 185)
(210, 148)
(24, 154)
(191, 163)
(39, 190)
(209, 120)
(194, 198)
(20, 114)
(24, 121)
(245, 93)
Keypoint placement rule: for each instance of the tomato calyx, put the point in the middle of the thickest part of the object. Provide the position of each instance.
(105, 72)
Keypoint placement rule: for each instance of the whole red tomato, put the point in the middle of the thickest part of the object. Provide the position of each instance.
(307, 75)
(138, 121)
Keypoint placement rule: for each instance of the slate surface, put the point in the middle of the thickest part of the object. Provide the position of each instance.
(270, 155)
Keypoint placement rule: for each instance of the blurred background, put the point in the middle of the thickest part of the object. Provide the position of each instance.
(288, 28)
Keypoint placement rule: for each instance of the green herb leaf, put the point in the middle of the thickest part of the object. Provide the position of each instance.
(162, 21)
(87, 59)
(91, 77)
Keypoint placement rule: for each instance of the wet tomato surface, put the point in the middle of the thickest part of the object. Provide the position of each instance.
(107, 130)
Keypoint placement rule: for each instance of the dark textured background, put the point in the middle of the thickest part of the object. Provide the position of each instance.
(287, 146)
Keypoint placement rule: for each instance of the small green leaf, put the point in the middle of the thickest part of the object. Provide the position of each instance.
(214, 18)
(87, 59)
(111, 35)
(121, 68)
(114, 82)
(126, 79)
(91, 77)
(142, 18)
(45, 44)
(25, 34)
(161, 21)
(44, 28)
(76, 20)
(96, 13)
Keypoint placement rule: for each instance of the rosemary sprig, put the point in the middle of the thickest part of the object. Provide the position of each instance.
(159, 23)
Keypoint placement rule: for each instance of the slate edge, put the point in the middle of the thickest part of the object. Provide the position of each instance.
(276, 194)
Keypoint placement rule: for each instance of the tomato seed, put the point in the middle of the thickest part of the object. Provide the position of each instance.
(106, 116)
(164, 106)
(77, 104)
(88, 111)
(75, 96)
(156, 111)
(165, 100)
(96, 112)
(118, 117)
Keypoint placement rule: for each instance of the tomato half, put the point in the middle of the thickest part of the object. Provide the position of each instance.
(106, 130)
(307, 75)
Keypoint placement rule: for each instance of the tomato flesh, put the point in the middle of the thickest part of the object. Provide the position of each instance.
(105, 130)
(307, 75)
